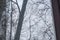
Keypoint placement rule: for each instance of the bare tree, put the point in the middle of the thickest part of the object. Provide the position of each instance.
(40, 14)
(21, 17)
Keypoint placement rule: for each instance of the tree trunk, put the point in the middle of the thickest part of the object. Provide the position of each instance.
(21, 17)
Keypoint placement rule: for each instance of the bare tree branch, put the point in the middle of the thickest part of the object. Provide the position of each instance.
(21, 17)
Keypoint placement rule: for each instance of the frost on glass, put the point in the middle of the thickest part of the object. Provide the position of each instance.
(38, 23)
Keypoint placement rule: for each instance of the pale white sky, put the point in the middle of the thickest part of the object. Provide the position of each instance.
(20, 2)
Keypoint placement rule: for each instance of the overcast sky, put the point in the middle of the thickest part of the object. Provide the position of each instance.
(20, 2)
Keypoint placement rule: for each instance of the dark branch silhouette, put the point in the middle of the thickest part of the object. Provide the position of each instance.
(11, 23)
(21, 17)
(17, 5)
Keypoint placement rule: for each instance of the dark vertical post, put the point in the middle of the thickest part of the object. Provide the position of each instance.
(56, 14)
